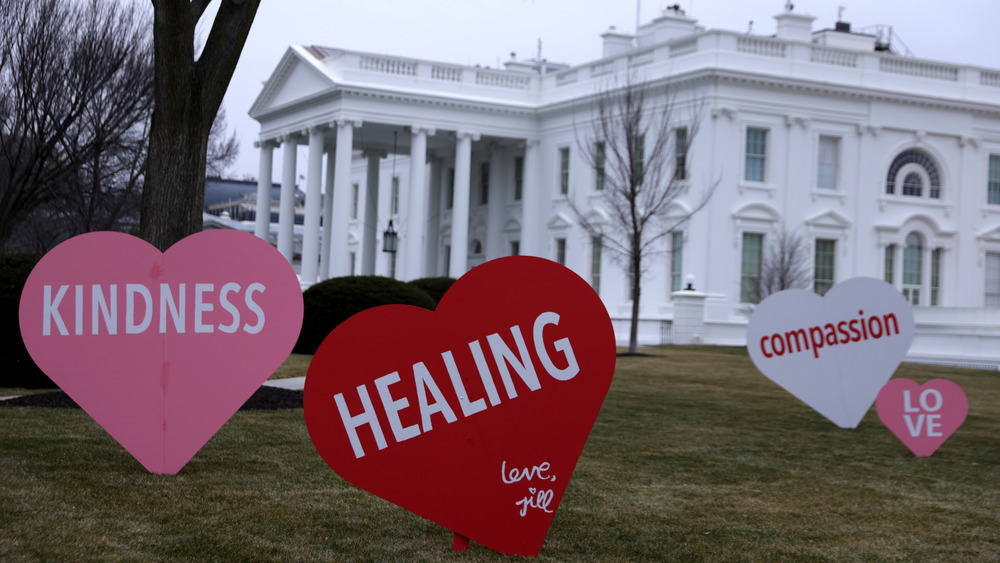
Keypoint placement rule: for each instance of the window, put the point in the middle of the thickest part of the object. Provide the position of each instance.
(913, 184)
(561, 251)
(935, 276)
(476, 247)
(913, 267)
(355, 192)
(676, 259)
(447, 259)
(639, 153)
(449, 196)
(595, 263)
(599, 157)
(823, 269)
(890, 264)
(828, 162)
(993, 186)
(564, 171)
(484, 183)
(394, 199)
(518, 177)
(755, 166)
(680, 153)
(910, 166)
(992, 297)
(515, 248)
(750, 267)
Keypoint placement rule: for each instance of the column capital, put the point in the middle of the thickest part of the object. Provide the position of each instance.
(288, 137)
(318, 128)
(265, 144)
(469, 134)
(416, 129)
(344, 122)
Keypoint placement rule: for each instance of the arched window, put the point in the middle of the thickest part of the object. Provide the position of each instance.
(913, 254)
(913, 184)
(913, 168)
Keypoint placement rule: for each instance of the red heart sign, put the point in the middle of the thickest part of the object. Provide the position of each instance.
(161, 348)
(922, 416)
(472, 416)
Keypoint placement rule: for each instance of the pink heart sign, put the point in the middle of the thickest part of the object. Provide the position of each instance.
(474, 415)
(922, 416)
(835, 352)
(161, 348)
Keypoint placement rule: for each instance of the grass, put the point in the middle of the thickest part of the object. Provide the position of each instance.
(695, 456)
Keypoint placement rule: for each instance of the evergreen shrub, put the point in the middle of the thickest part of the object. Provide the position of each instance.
(435, 287)
(333, 301)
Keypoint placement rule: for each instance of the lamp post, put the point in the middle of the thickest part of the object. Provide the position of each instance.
(389, 241)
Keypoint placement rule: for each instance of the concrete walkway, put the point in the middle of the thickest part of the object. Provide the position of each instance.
(294, 383)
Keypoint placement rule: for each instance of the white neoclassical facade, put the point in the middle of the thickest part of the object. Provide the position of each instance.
(888, 165)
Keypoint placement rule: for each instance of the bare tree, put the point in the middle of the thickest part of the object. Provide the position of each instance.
(639, 151)
(75, 97)
(222, 150)
(785, 264)
(187, 92)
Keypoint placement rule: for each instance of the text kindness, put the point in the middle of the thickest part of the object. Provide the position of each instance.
(68, 308)
(394, 394)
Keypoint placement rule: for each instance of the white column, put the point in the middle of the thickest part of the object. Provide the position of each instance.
(433, 229)
(416, 222)
(531, 245)
(460, 213)
(262, 228)
(324, 255)
(310, 228)
(286, 206)
(341, 198)
(495, 206)
(369, 232)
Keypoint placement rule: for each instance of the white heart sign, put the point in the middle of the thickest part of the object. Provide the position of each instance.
(834, 353)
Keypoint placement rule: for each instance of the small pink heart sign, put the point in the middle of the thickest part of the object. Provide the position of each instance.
(922, 416)
(834, 352)
(161, 348)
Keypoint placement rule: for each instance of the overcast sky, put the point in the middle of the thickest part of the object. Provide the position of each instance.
(485, 32)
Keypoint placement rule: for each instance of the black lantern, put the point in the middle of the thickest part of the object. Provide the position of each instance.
(389, 239)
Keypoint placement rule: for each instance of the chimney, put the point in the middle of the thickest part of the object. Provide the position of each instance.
(673, 23)
(794, 27)
(615, 42)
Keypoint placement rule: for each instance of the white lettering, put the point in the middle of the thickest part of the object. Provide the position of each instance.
(937, 400)
(201, 307)
(50, 310)
(255, 308)
(523, 366)
(422, 378)
(468, 408)
(100, 308)
(562, 345)
(233, 311)
(352, 423)
(393, 406)
(131, 290)
(176, 308)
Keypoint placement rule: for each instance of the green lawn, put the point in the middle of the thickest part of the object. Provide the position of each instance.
(695, 456)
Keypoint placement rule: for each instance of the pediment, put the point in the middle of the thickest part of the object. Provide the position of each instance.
(559, 221)
(298, 76)
(757, 212)
(990, 235)
(829, 219)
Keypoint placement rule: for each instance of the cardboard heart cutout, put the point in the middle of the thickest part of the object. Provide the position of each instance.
(161, 348)
(472, 416)
(922, 416)
(834, 353)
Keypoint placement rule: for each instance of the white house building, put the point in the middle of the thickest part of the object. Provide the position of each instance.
(888, 165)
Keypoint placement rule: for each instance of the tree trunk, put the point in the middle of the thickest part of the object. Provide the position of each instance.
(633, 335)
(187, 94)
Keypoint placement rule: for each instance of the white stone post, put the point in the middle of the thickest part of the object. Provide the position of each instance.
(495, 206)
(689, 316)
